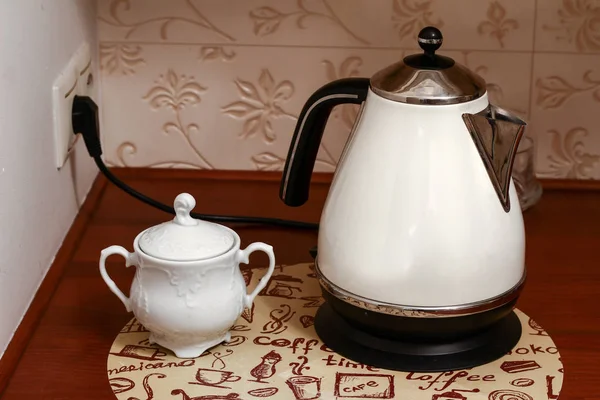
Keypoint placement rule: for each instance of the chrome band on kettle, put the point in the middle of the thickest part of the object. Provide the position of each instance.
(417, 311)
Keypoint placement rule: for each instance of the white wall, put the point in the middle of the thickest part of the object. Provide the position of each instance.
(37, 202)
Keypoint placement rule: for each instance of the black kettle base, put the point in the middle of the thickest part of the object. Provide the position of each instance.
(360, 347)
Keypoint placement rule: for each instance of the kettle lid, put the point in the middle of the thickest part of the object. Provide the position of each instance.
(428, 78)
(185, 238)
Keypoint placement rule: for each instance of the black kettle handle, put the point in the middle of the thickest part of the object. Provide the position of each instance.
(300, 162)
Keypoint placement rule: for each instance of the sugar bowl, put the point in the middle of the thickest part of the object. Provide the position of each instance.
(188, 289)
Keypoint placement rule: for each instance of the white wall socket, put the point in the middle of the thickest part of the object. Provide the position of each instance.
(75, 79)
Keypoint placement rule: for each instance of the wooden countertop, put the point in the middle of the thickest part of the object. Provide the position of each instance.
(60, 349)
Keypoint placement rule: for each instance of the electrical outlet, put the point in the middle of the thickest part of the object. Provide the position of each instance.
(85, 79)
(75, 79)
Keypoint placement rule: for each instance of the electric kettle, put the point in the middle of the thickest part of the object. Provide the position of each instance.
(421, 238)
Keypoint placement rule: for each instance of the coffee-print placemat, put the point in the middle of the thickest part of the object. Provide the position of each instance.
(276, 354)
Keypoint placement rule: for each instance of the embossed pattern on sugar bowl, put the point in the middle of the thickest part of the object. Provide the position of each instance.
(188, 290)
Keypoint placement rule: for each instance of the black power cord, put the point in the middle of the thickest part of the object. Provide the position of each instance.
(85, 122)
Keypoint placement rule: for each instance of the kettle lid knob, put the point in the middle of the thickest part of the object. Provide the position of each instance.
(430, 39)
(428, 78)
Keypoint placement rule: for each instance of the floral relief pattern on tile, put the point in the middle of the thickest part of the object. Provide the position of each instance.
(553, 90)
(261, 102)
(410, 16)
(568, 158)
(497, 25)
(495, 91)
(120, 58)
(128, 148)
(175, 92)
(267, 20)
(162, 23)
(267, 161)
(346, 113)
(209, 53)
(578, 23)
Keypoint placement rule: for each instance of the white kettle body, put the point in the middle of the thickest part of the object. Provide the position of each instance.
(411, 217)
(422, 218)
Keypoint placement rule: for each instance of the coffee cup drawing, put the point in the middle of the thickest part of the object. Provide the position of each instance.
(141, 353)
(305, 387)
(214, 377)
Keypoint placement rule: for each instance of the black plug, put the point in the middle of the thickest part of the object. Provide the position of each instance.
(84, 118)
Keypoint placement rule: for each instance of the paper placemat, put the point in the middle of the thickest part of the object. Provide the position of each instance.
(276, 354)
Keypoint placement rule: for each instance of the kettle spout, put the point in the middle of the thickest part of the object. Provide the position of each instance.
(497, 135)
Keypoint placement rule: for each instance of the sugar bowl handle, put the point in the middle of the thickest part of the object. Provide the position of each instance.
(129, 260)
(244, 257)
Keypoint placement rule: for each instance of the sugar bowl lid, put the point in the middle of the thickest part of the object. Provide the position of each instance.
(428, 78)
(185, 238)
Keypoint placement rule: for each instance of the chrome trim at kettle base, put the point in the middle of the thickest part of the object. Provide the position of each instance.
(416, 311)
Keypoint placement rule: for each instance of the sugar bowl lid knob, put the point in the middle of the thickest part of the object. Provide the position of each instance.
(185, 238)
(184, 204)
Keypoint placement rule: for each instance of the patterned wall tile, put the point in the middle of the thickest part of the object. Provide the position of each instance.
(566, 101)
(507, 75)
(159, 21)
(220, 107)
(568, 26)
(488, 24)
(206, 84)
(265, 22)
(231, 107)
